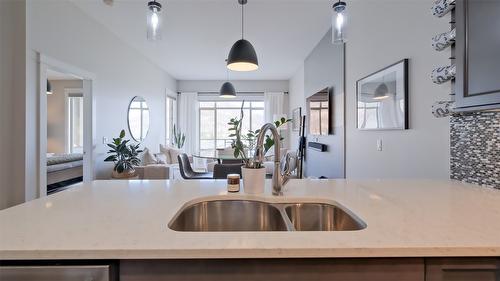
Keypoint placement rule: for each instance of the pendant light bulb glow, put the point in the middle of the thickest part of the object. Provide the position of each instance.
(154, 21)
(242, 56)
(339, 23)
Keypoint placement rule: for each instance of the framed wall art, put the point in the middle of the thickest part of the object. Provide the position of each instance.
(382, 99)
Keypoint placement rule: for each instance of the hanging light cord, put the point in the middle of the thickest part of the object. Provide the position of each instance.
(242, 20)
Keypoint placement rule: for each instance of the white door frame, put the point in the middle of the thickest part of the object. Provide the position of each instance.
(45, 63)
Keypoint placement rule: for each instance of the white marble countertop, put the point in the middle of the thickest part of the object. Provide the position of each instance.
(128, 220)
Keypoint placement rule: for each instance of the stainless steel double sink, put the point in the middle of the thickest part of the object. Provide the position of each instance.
(252, 215)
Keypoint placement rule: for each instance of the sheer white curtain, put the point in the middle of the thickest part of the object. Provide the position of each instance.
(188, 120)
(274, 105)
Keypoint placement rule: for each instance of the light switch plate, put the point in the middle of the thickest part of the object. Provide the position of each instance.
(104, 140)
(379, 145)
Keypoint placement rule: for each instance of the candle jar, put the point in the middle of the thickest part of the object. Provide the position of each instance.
(233, 183)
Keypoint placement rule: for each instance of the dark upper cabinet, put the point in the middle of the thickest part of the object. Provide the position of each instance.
(477, 55)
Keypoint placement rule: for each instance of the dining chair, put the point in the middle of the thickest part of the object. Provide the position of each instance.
(187, 171)
(222, 170)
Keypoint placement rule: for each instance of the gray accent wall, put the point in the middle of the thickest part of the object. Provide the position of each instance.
(381, 33)
(324, 68)
(378, 37)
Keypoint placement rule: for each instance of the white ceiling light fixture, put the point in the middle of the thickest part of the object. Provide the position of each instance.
(154, 21)
(339, 19)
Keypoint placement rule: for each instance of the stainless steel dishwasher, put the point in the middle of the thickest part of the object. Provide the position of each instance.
(56, 273)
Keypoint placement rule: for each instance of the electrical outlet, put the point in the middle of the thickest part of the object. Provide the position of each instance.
(379, 145)
(104, 140)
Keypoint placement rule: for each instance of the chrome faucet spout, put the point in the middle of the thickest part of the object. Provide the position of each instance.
(278, 178)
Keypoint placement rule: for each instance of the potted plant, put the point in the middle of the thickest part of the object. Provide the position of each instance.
(179, 138)
(254, 173)
(125, 157)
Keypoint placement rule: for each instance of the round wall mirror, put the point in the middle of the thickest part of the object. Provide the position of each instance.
(138, 118)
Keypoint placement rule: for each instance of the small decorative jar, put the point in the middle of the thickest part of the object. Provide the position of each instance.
(233, 183)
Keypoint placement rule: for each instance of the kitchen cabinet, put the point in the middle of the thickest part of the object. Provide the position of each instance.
(57, 271)
(279, 269)
(463, 269)
(476, 55)
(317, 269)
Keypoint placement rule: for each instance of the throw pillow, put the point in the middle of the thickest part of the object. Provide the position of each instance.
(148, 158)
(173, 155)
(166, 151)
(161, 158)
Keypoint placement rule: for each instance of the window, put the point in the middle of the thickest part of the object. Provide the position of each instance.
(368, 115)
(75, 122)
(319, 118)
(170, 119)
(214, 116)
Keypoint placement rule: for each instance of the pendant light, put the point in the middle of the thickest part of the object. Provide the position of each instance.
(154, 20)
(49, 88)
(227, 90)
(242, 56)
(339, 22)
(381, 92)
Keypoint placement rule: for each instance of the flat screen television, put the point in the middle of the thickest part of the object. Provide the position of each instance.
(319, 111)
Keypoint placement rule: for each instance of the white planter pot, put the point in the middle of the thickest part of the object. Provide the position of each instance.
(253, 180)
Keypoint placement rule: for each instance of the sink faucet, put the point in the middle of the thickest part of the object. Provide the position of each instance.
(280, 177)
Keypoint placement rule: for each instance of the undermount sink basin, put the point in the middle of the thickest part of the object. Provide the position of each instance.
(229, 215)
(321, 217)
(252, 215)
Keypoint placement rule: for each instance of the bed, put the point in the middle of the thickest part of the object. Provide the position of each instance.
(64, 167)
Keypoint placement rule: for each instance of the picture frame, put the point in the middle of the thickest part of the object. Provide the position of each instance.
(382, 99)
(296, 119)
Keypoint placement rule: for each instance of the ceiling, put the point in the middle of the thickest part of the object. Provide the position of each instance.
(55, 75)
(198, 34)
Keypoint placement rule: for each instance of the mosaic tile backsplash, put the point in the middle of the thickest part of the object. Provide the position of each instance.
(475, 148)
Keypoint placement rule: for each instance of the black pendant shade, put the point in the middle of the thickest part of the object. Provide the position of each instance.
(227, 90)
(242, 57)
(381, 92)
(49, 88)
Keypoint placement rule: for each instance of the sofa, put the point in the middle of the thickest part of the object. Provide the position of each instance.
(158, 166)
(163, 165)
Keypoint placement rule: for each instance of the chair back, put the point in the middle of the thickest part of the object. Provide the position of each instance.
(222, 170)
(185, 168)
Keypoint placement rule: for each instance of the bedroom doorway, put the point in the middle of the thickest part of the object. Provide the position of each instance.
(65, 127)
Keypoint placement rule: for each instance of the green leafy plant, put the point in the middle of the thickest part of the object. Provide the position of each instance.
(179, 138)
(243, 143)
(124, 155)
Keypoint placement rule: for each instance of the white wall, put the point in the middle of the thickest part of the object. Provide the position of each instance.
(381, 33)
(12, 103)
(56, 118)
(240, 85)
(62, 31)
